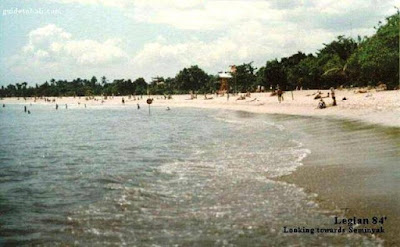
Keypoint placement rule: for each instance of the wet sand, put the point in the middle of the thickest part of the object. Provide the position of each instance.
(337, 192)
(359, 184)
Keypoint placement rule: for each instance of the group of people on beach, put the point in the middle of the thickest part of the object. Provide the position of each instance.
(321, 103)
(278, 91)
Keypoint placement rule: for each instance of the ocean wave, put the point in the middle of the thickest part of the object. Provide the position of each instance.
(278, 126)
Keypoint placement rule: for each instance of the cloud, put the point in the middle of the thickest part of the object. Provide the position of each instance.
(91, 53)
(232, 32)
(202, 15)
(224, 14)
(108, 3)
(51, 50)
(251, 41)
(52, 42)
(344, 16)
(250, 31)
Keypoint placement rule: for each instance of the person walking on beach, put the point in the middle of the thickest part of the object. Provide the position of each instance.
(138, 106)
(333, 96)
(280, 95)
(123, 101)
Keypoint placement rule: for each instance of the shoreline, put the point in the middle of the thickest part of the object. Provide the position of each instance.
(373, 107)
(380, 110)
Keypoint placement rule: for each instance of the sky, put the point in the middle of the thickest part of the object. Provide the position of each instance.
(67, 39)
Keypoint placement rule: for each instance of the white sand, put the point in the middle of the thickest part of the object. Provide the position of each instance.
(372, 107)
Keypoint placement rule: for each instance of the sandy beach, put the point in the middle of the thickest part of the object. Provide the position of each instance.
(373, 109)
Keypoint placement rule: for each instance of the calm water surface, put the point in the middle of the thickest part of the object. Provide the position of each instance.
(185, 177)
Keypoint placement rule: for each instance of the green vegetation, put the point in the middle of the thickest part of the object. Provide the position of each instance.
(368, 61)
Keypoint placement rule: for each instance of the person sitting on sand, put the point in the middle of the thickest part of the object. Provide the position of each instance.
(318, 96)
(321, 104)
(207, 98)
(241, 97)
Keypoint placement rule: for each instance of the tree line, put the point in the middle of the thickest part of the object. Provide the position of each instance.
(367, 61)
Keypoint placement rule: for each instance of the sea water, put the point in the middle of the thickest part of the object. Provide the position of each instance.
(116, 175)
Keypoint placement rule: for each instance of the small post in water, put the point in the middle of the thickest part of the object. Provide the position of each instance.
(149, 101)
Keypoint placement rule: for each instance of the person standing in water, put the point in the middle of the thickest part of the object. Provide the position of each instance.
(56, 106)
(66, 106)
(24, 108)
(138, 106)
